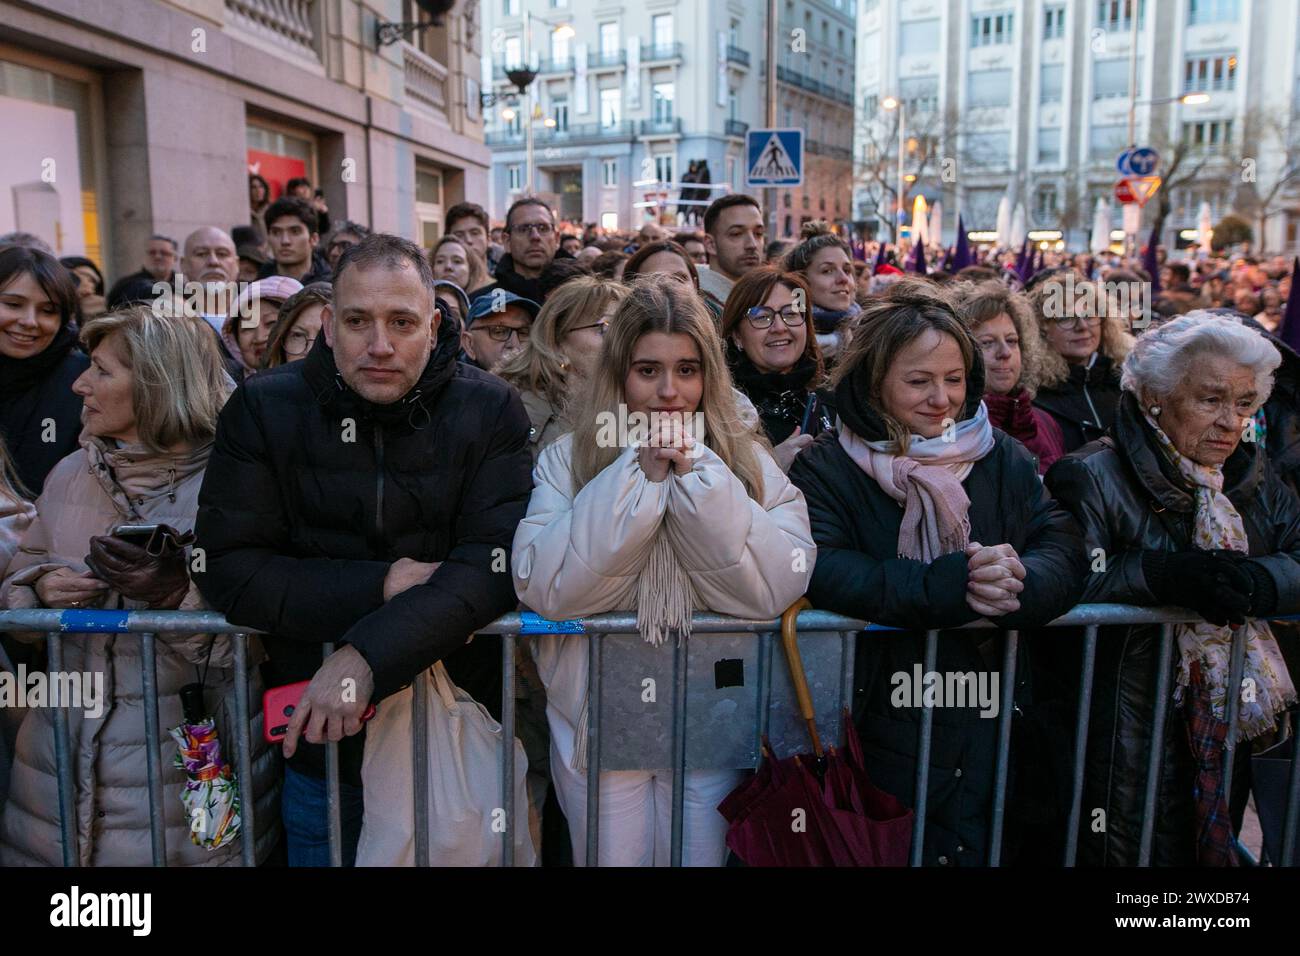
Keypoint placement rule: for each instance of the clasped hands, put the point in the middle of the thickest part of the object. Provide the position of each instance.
(996, 577)
(669, 447)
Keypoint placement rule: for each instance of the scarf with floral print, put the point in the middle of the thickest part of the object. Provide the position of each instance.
(1218, 525)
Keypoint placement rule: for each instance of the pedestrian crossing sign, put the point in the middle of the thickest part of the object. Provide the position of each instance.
(774, 157)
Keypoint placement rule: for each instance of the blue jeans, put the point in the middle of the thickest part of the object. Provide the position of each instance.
(306, 820)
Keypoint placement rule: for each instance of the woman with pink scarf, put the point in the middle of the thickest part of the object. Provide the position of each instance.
(926, 517)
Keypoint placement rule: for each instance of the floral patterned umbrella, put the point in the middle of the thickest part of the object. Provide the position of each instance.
(211, 795)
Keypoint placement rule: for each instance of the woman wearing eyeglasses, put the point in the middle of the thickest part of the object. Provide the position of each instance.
(553, 369)
(775, 362)
(298, 324)
(1084, 348)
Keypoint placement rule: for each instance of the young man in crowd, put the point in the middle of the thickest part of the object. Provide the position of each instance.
(532, 240)
(333, 510)
(468, 222)
(291, 231)
(733, 237)
(693, 243)
(301, 188)
(497, 326)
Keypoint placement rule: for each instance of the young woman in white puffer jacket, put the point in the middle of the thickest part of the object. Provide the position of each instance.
(696, 517)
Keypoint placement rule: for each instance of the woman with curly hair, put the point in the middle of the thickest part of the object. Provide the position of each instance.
(1006, 331)
(1085, 344)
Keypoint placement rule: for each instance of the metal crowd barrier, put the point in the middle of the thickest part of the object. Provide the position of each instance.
(151, 624)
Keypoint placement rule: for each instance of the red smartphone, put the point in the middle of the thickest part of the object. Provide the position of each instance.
(278, 705)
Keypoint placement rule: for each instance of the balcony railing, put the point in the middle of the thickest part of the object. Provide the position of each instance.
(794, 78)
(604, 59)
(286, 23)
(830, 150)
(736, 55)
(651, 52)
(671, 126)
(737, 128)
(575, 134)
(426, 79)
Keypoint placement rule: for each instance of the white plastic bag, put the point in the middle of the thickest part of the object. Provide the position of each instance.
(465, 813)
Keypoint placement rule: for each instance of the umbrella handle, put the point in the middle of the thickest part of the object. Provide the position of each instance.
(790, 641)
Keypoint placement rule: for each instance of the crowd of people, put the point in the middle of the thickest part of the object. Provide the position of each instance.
(358, 432)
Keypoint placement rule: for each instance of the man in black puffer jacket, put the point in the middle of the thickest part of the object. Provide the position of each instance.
(367, 495)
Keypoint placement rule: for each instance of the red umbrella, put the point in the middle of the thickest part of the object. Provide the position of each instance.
(816, 809)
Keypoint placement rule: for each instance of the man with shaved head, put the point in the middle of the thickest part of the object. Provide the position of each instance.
(209, 256)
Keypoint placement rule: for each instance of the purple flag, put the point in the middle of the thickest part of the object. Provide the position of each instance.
(962, 257)
(880, 257)
(917, 263)
(1290, 330)
(1024, 262)
(1151, 264)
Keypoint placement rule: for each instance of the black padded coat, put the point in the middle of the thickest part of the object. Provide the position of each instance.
(1129, 499)
(858, 573)
(312, 492)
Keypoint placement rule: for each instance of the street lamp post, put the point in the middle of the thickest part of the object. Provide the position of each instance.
(523, 76)
(893, 103)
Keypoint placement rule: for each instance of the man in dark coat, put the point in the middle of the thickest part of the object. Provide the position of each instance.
(859, 573)
(531, 241)
(368, 496)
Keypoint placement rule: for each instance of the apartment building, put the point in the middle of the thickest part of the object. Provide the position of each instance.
(143, 116)
(1030, 99)
(626, 97)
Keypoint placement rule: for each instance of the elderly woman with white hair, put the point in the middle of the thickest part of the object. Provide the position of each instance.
(1180, 507)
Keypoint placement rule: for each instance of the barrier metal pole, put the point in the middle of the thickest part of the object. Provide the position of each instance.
(152, 743)
(679, 751)
(764, 689)
(848, 649)
(63, 761)
(420, 765)
(1232, 706)
(508, 749)
(1156, 756)
(593, 749)
(333, 803)
(1288, 851)
(244, 755)
(1002, 763)
(1083, 713)
(923, 756)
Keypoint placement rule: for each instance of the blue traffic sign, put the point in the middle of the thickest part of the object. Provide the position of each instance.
(1143, 162)
(1139, 161)
(774, 157)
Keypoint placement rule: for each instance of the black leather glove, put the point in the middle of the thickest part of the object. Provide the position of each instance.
(1213, 585)
(1263, 599)
(157, 575)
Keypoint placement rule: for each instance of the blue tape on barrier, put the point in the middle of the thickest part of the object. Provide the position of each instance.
(94, 622)
(531, 623)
